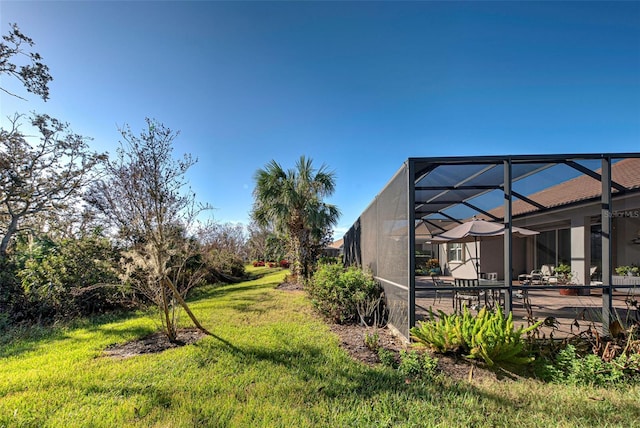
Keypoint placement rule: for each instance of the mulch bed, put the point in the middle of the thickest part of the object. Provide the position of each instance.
(153, 343)
(352, 338)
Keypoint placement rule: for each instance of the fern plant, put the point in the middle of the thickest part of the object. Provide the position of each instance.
(442, 335)
(489, 336)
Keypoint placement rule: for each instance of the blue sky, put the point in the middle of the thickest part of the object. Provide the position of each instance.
(360, 86)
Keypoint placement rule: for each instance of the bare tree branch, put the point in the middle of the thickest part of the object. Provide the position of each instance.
(43, 176)
(34, 75)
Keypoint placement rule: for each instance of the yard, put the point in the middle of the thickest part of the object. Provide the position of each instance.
(272, 362)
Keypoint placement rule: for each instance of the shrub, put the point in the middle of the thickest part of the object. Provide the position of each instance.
(569, 367)
(626, 270)
(415, 365)
(222, 264)
(58, 277)
(339, 294)
(488, 335)
(387, 357)
(329, 260)
(372, 340)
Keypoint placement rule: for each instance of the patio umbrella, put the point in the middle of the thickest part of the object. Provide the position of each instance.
(477, 229)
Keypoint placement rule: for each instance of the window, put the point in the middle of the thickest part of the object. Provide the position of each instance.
(454, 252)
(553, 247)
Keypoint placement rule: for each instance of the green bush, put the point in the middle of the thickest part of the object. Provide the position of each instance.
(221, 265)
(57, 276)
(10, 289)
(569, 367)
(372, 340)
(415, 365)
(346, 295)
(328, 260)
(488, 336)
(387, 357)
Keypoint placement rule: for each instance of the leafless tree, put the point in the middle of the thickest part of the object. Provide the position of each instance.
(227, 237)
(144, 197)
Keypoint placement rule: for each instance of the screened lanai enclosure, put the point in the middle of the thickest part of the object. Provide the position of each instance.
(578, 267)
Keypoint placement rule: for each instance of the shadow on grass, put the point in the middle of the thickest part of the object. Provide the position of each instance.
(587, 410)
(332, 377)
(20, 340)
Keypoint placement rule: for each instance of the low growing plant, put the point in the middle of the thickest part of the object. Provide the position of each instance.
(563, 272)
(569, 367)
(589, 359)
(415, 365)
(489, 336)
(387, 357)
(372, 340)
(628, 270)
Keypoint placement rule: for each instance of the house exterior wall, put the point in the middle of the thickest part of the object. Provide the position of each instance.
(492, 256)
(465, 268)
(490, 253)
(626, 226)
(626, 229)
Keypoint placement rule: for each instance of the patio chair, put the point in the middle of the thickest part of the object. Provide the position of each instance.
(548, 274)
(493, 296)
(468, 295)
(438, 283)
(535, 277)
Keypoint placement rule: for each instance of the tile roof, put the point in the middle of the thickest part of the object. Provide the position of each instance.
(625, 172)
(336, 244)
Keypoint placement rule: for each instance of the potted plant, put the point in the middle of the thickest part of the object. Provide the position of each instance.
(564, 275)
(433, 267)
(627, 275)
(623, 270)
(628, 270)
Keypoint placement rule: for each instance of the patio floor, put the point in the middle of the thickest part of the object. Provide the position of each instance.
(572, 314)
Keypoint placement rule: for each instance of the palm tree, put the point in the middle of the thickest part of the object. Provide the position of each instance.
(292, 202)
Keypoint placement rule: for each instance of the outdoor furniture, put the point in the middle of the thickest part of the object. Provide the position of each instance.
(548, 274)
(535, 277)
(493, 296)
(467, 294)
(438, 284)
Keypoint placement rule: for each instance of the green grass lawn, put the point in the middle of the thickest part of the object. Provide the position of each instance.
(271, 363)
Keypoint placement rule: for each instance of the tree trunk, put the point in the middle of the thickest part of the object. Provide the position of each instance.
(296, 252)
(184, 305)
(11, 230)
(170, 327)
